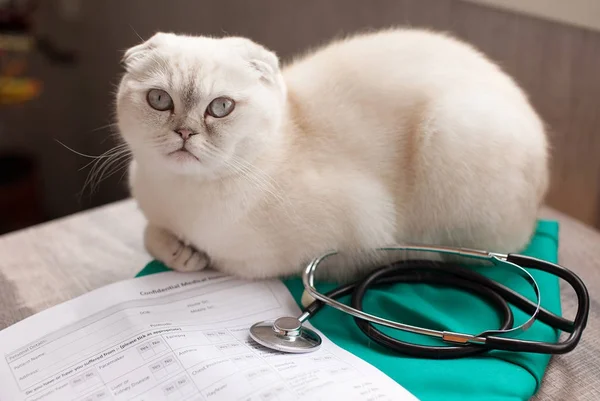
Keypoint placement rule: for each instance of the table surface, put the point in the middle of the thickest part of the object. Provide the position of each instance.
(45, 265)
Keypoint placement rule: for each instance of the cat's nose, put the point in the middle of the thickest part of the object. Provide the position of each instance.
(184, 133)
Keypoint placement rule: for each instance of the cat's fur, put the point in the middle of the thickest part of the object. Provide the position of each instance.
(381, 138)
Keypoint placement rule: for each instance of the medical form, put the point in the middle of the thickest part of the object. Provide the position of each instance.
(176, 336)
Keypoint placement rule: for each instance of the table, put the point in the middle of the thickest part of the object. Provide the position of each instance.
(51, 263)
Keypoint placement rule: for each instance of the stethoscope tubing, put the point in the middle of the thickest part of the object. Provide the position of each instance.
(449, 274)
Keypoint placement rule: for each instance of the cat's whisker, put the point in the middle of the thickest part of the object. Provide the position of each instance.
(100, 162)
(121, 165)
(136, 34)
(125, 170)
(116, 156)
(106, 170)
(95, 182)
(257, 179)
(260, 175)
(106, 154)
(76, 152)
(275, 189)
(251, 176)
(158, 141)
(111, 125)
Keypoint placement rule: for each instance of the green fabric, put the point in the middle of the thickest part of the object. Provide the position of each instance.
(498, 376)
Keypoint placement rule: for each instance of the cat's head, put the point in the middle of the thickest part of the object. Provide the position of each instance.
(199, 105)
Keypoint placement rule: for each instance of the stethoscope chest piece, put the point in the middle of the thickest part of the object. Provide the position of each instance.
(286, 334)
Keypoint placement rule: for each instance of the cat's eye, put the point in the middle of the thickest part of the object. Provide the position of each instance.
(220, 107)
(159, 100)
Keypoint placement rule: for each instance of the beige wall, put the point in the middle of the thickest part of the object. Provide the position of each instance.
(557, 64)
(580, 13)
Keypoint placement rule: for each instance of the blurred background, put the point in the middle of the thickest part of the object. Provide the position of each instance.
(59, 65)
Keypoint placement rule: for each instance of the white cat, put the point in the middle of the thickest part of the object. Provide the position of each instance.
(398, 136)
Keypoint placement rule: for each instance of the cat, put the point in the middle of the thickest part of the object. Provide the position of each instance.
(253, 168)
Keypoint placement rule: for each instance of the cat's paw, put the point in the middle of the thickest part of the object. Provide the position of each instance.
(168, 249)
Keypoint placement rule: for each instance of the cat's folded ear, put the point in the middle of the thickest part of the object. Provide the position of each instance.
(132, 54)
(258, 57)
(141, 50)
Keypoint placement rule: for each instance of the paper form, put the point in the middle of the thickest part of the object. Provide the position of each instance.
(175, 336)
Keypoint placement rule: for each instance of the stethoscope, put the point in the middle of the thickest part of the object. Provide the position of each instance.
(289, 334)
